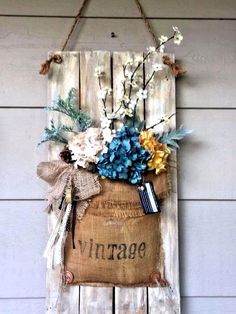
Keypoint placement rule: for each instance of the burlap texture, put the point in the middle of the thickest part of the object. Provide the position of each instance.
(116, 244)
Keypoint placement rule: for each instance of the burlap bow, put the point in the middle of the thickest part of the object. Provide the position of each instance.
(59, 175)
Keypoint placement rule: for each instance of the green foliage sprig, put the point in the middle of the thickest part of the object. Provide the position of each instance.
(171, 138)
(54, 133)
(80, 120)
(68, 107)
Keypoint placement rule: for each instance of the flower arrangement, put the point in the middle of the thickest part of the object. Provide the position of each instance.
(128, 152)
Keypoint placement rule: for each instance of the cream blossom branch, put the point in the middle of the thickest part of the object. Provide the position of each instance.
(164, 119)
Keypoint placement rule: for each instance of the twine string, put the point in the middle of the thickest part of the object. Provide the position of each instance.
(45, 67)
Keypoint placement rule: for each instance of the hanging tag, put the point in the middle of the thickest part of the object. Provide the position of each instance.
(148, 198)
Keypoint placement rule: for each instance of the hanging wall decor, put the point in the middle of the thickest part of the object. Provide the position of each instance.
(112, 198)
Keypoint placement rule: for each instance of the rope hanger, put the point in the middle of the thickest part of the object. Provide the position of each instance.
(45, 67)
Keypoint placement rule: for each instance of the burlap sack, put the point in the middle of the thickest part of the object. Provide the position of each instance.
(116, 244)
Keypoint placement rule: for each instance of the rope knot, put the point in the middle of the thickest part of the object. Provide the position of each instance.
(45, 67)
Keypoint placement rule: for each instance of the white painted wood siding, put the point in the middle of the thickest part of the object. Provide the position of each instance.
(205, 100)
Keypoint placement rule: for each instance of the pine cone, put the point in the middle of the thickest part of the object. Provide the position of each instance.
(66, 155)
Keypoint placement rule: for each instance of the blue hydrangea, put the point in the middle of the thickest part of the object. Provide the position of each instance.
(125, 159)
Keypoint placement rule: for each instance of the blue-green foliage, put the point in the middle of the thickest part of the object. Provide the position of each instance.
(55, 134)
(80, 120)
(171, 138)
(68, 107)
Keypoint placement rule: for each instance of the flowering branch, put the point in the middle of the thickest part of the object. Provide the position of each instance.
(164, 119)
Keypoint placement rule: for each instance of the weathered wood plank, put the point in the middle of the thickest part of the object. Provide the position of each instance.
(127, 300)
(94, 299)
(26, 41)
(168, 8)
(22, 241)
(89, 85)
(161, 102)
(61, 79)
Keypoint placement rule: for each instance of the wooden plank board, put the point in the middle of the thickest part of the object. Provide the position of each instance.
(25, 42)
(127, 300)
(61, 79)
(94, 299)
(22, 239)
(160, 103)
(168, 8)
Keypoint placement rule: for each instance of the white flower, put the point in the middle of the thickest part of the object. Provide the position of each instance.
(162, 39)
(125, 98)
(178, 37)
(139, 59)
(162, 48)
(109, 91)
(102, 93)
(132, 104)
(157, 67)
(129, 74)
(98, 72)
(176, 29)
(128, 112)
(85, 146)
(151, 49)
(142, 94)
(105, 122)
(166, 119)
(107, 135)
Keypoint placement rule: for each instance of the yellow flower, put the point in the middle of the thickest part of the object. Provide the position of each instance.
(159, 151)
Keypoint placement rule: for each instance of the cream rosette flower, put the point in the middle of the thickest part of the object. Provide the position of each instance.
(85, 146)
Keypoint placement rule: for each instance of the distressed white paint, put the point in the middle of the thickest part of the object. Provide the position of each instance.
(207, 52)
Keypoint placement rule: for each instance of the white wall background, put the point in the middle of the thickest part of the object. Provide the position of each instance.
(206, 99)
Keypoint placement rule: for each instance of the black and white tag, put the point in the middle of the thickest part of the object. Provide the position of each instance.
(148, 198)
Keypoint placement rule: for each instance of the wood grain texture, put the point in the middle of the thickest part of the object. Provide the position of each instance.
(22, 239)
(60, 81)
(94, 299)
(161, 102)
(124, 8)
(209, 81)
(89, 84)
(127, 300)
